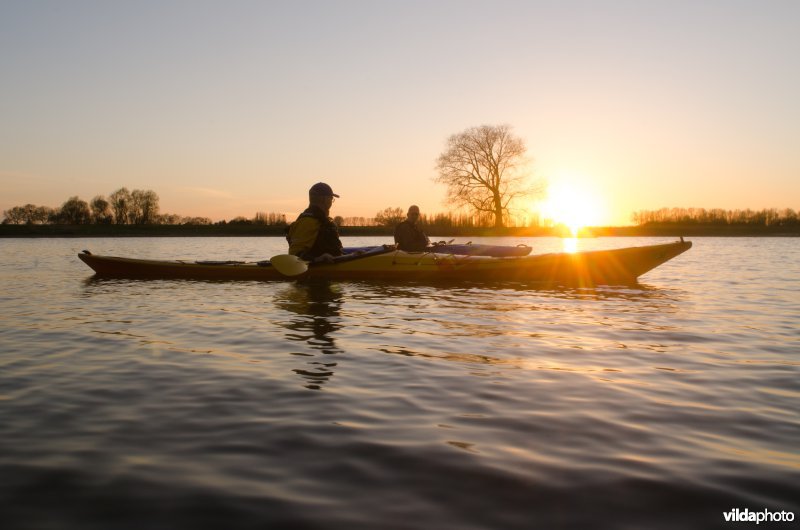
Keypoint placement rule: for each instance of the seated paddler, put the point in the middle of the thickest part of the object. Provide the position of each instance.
(314, 236)
(408, 235)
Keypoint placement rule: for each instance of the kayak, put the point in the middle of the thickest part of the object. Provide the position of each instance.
(464, 249)
(596, 267)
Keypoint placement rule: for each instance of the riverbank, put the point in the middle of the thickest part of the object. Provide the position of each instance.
(232, 230)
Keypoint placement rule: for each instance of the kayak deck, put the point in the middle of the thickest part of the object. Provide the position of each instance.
(597, 267)
(464, 249)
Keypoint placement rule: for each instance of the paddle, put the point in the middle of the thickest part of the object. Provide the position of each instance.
(289, 265)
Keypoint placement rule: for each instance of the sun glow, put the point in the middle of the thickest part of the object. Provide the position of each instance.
(574, 206)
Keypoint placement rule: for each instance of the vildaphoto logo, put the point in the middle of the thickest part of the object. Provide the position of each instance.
(764, 516)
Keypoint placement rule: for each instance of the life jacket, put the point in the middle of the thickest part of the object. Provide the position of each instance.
(327, 241)
(410, 237)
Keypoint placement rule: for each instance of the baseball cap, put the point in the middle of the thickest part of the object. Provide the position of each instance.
(320, 188)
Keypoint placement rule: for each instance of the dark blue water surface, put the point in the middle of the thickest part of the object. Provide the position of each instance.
(182, 404)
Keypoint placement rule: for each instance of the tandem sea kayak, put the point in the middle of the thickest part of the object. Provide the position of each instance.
(596, 267)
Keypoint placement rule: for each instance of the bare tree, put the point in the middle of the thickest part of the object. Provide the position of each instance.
(389, 216)
(75, 212)
(28, 214)
(484, 170)
(196, 221)
(269, 219)
(121, 203)
(144, 206)
(101, 210)
(356, 221)
(13, 216)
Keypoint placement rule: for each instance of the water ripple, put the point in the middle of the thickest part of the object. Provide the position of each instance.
(164, 404)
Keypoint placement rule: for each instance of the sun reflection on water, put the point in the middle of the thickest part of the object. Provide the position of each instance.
(570, 244)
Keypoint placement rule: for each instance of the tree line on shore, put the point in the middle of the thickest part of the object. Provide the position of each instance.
(768, 217)
(122, 207)
(141, 207)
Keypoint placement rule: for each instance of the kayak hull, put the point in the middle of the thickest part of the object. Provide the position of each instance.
(598, 267)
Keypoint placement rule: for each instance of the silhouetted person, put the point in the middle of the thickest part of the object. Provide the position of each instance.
(314, 236)
(408, 235)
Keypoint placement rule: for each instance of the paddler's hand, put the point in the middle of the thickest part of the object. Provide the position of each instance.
(324, 258)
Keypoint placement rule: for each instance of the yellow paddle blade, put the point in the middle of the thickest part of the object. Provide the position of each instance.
(289, 265)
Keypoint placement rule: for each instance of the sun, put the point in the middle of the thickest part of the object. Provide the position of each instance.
(573, 206)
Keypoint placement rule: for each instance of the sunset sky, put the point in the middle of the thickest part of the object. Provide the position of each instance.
(230, 108)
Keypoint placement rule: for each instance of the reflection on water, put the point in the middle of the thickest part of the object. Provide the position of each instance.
(480, 323)
(467, 292)
(570, 244)
(515, 325)
(315, 308)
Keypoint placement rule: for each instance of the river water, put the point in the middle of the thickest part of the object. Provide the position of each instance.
(150, 404)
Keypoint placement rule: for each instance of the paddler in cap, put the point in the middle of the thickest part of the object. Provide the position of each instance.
(314, 236)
